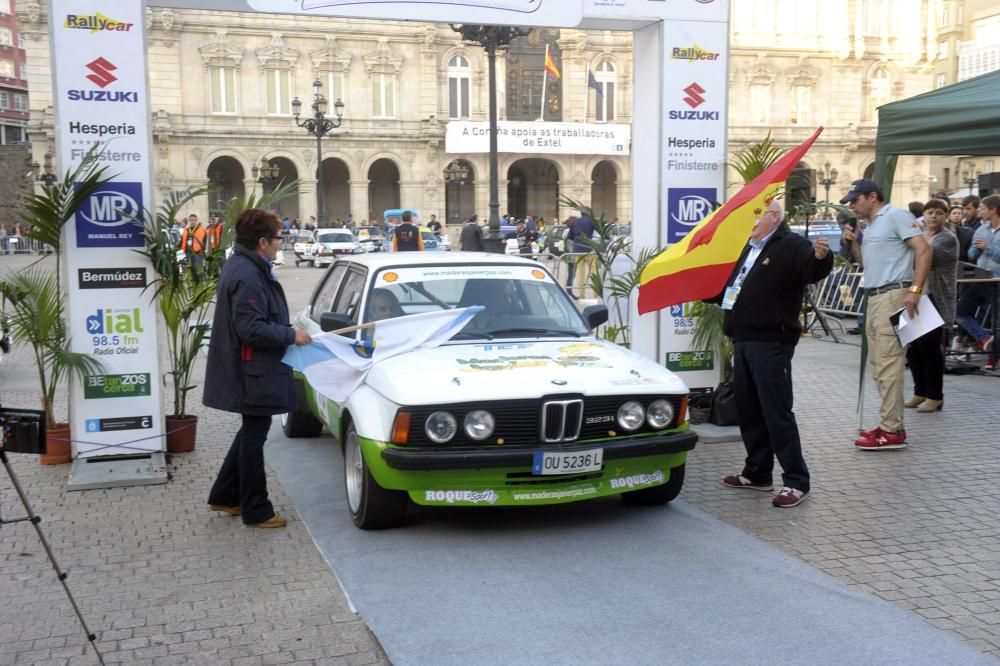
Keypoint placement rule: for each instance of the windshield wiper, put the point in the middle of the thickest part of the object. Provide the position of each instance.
(532, 331)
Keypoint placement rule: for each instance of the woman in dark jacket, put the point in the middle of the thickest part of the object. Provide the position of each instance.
(244, 374)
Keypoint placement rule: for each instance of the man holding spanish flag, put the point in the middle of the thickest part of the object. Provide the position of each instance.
(762, 299)
(760, 285)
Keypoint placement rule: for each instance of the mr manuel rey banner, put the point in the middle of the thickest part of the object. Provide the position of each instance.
(101, 98)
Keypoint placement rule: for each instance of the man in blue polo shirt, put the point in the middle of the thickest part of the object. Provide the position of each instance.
(896, 259)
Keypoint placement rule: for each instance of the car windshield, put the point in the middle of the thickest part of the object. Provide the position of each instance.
(335, 237)
(303, 236)
(519, 301)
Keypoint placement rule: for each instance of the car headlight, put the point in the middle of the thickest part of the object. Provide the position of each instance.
(659, 414)
(630, 415)
(479, 424)
(440, 427)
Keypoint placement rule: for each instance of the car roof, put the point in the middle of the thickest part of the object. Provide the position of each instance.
(381, 260)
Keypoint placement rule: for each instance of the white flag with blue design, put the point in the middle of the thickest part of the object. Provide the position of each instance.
(335, 365)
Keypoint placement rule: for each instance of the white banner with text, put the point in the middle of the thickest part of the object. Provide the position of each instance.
(539, 137)
(101, 97)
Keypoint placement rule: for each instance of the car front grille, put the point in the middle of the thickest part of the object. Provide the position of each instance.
(552, 420)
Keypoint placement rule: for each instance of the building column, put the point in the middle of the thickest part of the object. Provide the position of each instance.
(624, 200)
(359, 200)
(307, 200)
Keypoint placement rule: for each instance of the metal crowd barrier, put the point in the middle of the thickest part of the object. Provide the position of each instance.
(839, 293)
(22, 245)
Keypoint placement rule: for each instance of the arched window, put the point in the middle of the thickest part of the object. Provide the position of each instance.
(604, 93)
(879, 90)
(459, 81)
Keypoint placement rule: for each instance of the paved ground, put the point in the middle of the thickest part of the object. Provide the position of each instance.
(163, 581)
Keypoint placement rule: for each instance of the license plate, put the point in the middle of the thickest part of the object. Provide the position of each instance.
(559, 462)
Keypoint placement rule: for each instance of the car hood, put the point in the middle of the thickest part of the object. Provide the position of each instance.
(518, 369)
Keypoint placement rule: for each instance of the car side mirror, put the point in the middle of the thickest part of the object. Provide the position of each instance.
(594, 315)
(334, 321)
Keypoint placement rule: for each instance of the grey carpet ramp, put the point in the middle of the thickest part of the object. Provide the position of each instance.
(592, 583)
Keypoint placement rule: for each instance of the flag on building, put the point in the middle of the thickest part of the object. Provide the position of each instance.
(335, 364)
(550, 63)
(592, 83)
(698, 266)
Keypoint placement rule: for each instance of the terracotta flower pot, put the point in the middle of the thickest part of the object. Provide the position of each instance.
(57, 446)
(181, 433)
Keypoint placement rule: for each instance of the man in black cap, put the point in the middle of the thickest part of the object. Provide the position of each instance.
(472, 236)
(896, 259)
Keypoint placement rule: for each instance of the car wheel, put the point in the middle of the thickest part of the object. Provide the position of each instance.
(657, 495)
(301, 424)
(372, 506)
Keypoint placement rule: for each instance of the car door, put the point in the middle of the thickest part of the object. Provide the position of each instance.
(349, 297)
(326, 293)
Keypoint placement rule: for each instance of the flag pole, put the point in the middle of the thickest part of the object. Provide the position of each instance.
(586, 96)
(545, 79)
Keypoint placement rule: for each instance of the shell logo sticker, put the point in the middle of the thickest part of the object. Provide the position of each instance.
(390, 276)
(537, 274)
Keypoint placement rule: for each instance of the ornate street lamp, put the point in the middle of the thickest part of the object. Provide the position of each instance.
(266, 174)
(828, 177)
(44, 173)
(319, 126)
(491, 38)
(455, 176)
(970, 176)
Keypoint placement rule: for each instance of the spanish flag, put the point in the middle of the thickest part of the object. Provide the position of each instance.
(550, 64)
(698, 266)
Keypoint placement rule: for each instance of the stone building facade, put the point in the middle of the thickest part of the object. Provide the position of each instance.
(222, 83)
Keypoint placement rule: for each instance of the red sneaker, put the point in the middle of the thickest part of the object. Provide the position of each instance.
(991, 364)
(986, 344)
(868, 434)
(882, 440)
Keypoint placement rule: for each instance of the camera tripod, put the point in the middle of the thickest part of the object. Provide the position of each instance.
(816, 316)
(34, 519)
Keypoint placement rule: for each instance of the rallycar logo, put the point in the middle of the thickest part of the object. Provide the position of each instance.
(692, 54)
(96, 22)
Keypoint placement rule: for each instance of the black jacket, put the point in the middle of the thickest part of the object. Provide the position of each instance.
(767, 309)
(250, 333)
(472, 237)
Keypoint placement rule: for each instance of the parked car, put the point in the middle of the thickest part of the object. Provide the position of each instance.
(331, 243)
(370, 238)
(431, 242)
(523, 406)
(829, 230)
(302, 246)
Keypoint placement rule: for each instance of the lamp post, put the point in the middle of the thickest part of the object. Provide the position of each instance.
(970, 176)
(456, 173)
(44, 173)
(266, 174)
(828, 177)
(491, 38)
(319, 126)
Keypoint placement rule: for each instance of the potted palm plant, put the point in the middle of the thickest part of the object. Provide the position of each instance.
(185, 297)
(615, 274)
(37, 302)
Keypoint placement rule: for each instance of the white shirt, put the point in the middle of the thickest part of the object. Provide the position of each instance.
(755, 249)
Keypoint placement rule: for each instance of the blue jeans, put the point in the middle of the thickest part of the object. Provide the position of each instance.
(976, 296)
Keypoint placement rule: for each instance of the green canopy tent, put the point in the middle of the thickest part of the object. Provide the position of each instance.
(960, 119)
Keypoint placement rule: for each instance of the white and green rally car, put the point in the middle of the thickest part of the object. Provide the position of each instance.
(524, 406)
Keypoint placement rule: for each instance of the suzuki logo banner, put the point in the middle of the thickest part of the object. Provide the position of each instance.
(100, 93)
(693, 169)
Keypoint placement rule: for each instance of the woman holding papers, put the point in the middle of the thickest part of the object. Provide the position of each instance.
(926, 354)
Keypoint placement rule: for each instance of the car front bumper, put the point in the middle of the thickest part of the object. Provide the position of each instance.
(438, 476)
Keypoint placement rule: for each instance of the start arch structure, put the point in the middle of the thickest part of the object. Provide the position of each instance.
(99, 78)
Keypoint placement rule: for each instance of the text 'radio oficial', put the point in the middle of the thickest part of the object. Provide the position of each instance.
(115, 331)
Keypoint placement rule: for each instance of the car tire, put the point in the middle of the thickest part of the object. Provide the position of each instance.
(657, 495)
(300, 424)
(372, 507)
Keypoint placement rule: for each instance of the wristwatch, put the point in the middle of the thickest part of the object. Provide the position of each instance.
(916, 290)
